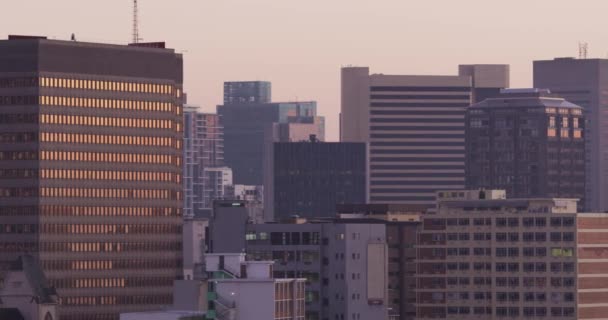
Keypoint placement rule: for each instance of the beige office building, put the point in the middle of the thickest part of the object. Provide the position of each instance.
(482, 256)
(415, 127)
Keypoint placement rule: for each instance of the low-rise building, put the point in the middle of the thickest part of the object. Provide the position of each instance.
(26, 293)
(402, 224)
(344, 263)
(243, 290)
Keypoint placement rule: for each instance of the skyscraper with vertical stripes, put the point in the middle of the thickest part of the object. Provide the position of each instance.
(415, 127)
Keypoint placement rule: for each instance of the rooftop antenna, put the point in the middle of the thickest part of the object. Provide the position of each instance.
(136, 37)
(583, 48)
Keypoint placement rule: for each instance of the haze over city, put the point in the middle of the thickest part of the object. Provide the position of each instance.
(300, 45)
(350, 160)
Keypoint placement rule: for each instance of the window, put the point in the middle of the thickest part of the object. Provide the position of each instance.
(501, 252)
(568, 267)
(501, 282)
(540, 237)
(513, 267)
(541, 252)
(501, 237)
(541, 267)
(540, 222)
(555, 236)
(501, 222)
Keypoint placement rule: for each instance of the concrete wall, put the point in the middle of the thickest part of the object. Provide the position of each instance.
(253, 299)
(193, 245)
(227, 227)
(354, 110)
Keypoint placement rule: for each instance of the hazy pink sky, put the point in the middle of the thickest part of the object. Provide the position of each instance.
(301, 45)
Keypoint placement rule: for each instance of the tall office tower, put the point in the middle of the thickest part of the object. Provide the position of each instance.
(239, 92)
(584, 82)
(402, 225)
(483, 256)
(415, 127)
(203, 149)
(249, 131)
(527, 142)
(344, 262)
(90, 182)
(309, 178)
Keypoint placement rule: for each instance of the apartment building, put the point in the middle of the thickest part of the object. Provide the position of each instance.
(484, 256)
(344, 263)
(243, 290)
(402, 223)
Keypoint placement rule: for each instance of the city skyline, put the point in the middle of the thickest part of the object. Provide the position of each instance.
(366, 33)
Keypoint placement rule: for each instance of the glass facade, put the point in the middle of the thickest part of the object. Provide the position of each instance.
(91, 158)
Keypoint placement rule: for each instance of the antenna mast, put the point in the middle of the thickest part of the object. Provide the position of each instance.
(582, 50)
(135, 23)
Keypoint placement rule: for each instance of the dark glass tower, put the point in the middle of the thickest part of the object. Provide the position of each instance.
(90, 178)
(527, 142)
(309, 179)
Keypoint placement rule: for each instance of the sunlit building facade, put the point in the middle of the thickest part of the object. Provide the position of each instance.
(90, 185)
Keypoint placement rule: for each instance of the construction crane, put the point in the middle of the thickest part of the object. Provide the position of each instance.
(136, 37)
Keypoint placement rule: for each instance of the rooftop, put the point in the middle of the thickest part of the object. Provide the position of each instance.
(42, 290)
(525, 98)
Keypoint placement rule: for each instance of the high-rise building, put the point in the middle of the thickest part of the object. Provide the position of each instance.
(203, 149)
(309, 178)
(483, 256)
(415, 127)
(527, 142)
(249, 129)
(240, 92)
(584, 82)
(344, 262)
(91, 149)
